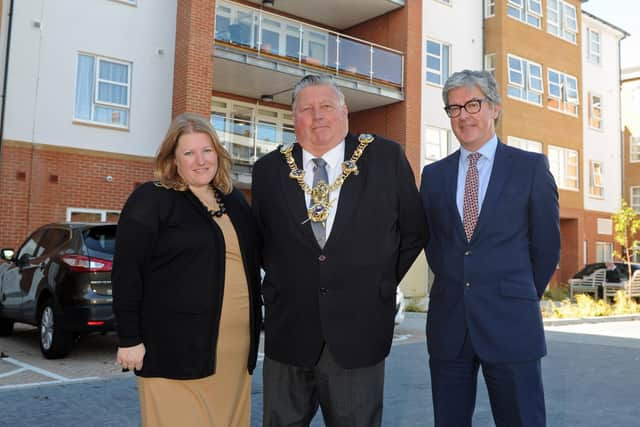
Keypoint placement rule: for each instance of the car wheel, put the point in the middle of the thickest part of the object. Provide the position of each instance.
(6, 327)
(55, 342)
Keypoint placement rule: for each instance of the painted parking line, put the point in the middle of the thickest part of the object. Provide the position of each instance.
(25, 367)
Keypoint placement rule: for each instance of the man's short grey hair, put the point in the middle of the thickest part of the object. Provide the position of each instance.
(315, 80)
(483, 80)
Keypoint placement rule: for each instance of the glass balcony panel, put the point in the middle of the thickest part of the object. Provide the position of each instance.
(318, 48)
(387, 66)
(355, 57)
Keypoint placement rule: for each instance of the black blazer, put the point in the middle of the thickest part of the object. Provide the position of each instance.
(168, 279)
(344, 294)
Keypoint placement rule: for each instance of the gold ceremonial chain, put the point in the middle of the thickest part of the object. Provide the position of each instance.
(320, 204)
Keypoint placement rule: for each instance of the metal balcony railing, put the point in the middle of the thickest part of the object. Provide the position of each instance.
(293, 41)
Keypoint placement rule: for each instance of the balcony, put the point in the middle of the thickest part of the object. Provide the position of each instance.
(339, 14)
(272, 53)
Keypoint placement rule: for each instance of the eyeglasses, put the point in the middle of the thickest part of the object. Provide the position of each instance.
(471, 107)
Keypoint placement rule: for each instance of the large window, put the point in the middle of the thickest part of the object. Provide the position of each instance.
(562, 20)
(438, 144)
(525, 80)
(528, 11)
(595, 111)
(593, 46)
(635, 148)
(604, 252)
(635, 198)
(437, 62)
(525, 144)
(596, 181)
(563, 164)
(248, 131)
(563, 92)
(102, 90)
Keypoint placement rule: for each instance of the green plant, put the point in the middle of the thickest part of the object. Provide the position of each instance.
(414, 306)
(585, 306)
(556, 293)
(626, 227)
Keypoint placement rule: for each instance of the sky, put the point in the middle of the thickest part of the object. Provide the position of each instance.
(624, 14)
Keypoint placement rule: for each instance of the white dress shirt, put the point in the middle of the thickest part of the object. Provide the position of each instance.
(334, 159)
(484, 165)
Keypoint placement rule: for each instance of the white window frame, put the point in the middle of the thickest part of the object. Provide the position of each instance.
(444, 144)
(560, 161)
(102, 212)
(596, 179)
(95, 95)
(524, 144)
(489, 8)
(567, 103)
(565, 24)
(527, 78)
(634, 149)
(604, 252)
(490, 63)
(443, 72)
(594, 44)
(634, 199)
(595, 111)
(526, 12)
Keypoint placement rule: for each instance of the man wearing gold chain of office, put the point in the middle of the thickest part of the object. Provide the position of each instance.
(341, 223)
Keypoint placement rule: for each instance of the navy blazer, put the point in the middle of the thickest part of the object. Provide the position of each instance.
(491, 285)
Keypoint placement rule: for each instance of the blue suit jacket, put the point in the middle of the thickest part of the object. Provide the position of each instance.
(491, 286)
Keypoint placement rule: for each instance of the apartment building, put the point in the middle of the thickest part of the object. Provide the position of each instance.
(630, 100)
(602, 149)
(91, 86)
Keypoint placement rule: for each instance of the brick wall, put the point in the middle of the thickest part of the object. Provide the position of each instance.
(39, 182)
(193, 69)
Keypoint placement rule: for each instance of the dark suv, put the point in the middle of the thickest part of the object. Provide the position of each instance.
(60, 281)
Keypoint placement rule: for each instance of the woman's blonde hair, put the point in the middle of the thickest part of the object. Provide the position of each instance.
(164, 167)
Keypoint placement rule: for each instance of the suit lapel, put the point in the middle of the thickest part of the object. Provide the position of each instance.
(350, 192)
(451, 183)
(499, 174)
(296, 199)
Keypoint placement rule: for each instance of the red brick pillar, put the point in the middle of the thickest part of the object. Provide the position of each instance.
(193, 68)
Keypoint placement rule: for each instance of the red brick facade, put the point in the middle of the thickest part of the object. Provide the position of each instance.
(39, 182)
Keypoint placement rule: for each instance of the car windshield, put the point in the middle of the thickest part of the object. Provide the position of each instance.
(100, 241)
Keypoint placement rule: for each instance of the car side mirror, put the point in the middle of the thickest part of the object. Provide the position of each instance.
(23, 260)
(7, 254)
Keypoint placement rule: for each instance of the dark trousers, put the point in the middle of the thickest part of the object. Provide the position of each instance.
(515, 390)
(347, 397)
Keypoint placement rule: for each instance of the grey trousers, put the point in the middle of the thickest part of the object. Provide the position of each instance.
(347, 397)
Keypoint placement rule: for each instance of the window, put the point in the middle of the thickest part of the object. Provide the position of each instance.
(438, 144)
(489, 8)
(102, 90)
(562, 20)
(525, 144)
(248, 131)
(563, 92)
(635, 198)
(563, 164)
(596, 183)
(595, 111)
(528, 11)
(604, 252)
(635, 148)
(490, 63)
(593, 46)
(92, 215)
(525, 80)
(437, 62)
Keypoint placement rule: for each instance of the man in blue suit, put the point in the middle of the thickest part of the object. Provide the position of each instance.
(494, 243)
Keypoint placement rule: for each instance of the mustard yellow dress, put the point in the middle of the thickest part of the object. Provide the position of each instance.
(222, 399)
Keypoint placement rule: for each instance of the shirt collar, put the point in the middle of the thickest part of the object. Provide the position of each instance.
(488, 150)
(333, 157)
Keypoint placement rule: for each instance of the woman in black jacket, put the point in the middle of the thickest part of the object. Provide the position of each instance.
(186, 285)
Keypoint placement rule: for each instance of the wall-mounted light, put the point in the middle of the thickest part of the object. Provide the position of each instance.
(266, 98)
(268, 3)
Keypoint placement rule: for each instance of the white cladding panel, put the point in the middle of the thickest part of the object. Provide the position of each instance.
(42, 74)
(603, 145)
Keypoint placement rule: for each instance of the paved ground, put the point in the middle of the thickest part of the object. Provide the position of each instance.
(592, 378)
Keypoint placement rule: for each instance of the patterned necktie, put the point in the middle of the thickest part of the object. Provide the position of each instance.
(319, 174)
(470, 206)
